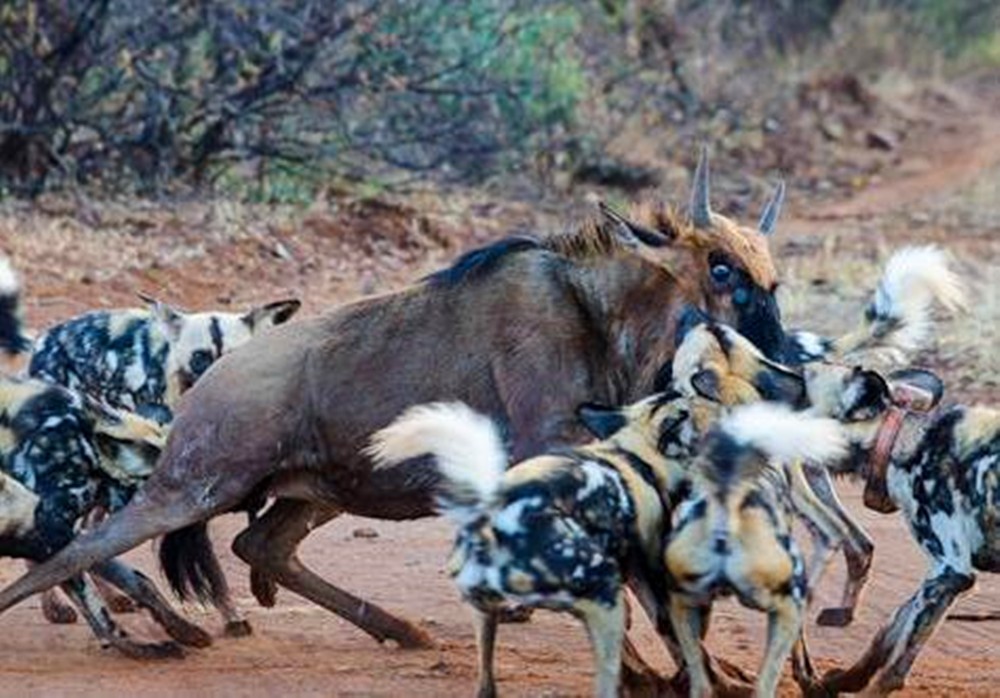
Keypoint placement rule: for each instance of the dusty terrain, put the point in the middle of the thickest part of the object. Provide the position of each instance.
(945, 188)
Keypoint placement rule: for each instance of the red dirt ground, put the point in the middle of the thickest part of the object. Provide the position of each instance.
(209, 256)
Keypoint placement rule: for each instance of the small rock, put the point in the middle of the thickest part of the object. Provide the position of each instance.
(832, 129)
(365, 532)
(881, 139)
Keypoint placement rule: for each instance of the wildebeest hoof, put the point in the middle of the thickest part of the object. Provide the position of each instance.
(58, 613)
(835, 617)
(144, 651)
(264, 588)
(188, 634)
(410, 637)
(516, 614)
(238, 628)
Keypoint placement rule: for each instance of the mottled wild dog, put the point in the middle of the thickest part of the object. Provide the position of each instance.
(523, 330)
(715, 361)
(143, 360)
(732, 535)
(562, 531)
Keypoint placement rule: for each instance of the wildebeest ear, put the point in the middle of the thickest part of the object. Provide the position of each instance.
(866, 395)
(707, 384)
(630, 232)
(273, 313)
(777, 383)
(916, 388)
(602, 421)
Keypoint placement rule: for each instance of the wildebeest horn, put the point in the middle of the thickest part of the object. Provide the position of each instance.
(769, 218)
(701, 208)
(633, 233)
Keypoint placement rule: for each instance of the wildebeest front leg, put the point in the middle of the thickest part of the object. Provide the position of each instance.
(270, 544)
(144, 593)
(896, 646)
(85, 595)
(858, 549)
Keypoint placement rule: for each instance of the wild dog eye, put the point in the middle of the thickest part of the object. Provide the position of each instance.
(200, 361)
(721, 273)
(741, 296)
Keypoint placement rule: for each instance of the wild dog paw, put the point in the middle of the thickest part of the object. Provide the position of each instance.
(835, 617)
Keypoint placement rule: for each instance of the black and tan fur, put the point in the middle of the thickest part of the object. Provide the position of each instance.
(562, 531)
(732, 535)
(62, 455)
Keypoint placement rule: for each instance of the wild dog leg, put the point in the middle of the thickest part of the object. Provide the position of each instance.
(486, 635)
(858, 549)
(53, 608)
(144, 594)
(606, 627)
(687, 622)
(897, 644)
(84, 594)
(784, 623)
(270, 544)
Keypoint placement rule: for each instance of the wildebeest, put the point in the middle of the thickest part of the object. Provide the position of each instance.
(564, 530)
(732, 535)
(143, 360)
(523, 330)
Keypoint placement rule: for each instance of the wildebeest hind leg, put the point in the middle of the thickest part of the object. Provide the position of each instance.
(270, 544)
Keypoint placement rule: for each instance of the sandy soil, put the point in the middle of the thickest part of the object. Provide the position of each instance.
(207, 258)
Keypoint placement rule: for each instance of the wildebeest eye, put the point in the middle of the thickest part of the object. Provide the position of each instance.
(721, 273)
(741, 296)
(200, 361)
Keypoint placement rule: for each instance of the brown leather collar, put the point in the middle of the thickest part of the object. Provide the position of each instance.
(876, 488)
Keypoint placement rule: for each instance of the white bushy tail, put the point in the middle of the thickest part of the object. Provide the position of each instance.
(12, 337)
(899, 317)
(466, 445)
(785, 435)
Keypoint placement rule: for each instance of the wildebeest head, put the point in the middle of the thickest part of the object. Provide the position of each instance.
(197, 339)
(727, 266)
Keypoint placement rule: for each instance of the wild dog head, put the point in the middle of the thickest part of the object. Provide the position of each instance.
(718, 363)
(197, 340)
(668, 422)
(727, 266)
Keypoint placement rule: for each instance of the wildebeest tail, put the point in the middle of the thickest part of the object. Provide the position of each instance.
(190, 566)
(466, 445)
(899, 318)
(12, 337)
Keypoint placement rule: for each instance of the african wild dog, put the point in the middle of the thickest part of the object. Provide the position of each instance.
(523, 330)
(12, 337)
(716, 362)
(732, 535)
(943, 471)
(144, 360)
(562, 531)
(61, 455)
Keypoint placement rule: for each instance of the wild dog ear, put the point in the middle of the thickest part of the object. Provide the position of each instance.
(630, 232)
(916, 388)
(707, 384)
(602, 421)
(171, 318)
(780, 384)
(276, 313)
(866, 395)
